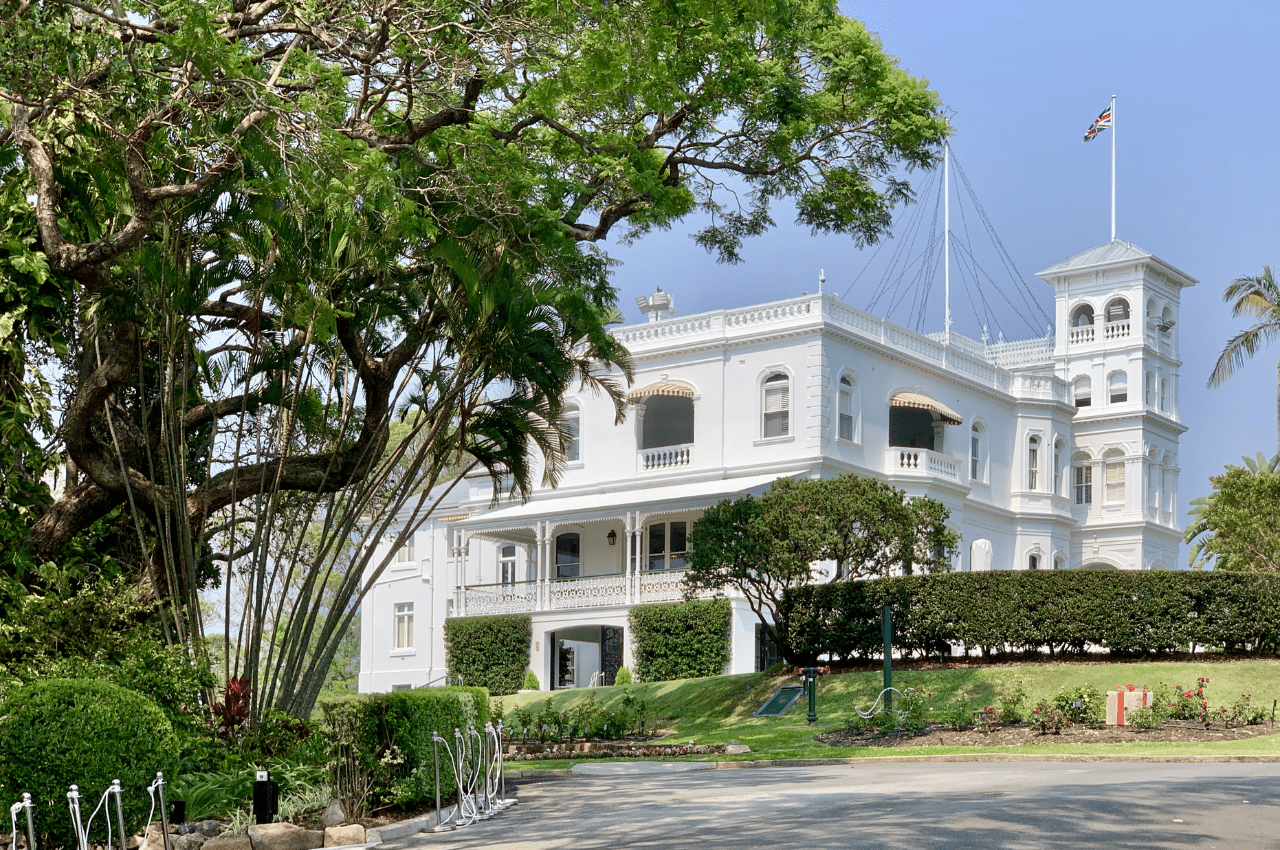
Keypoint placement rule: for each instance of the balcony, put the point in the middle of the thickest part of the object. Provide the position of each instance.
(568, 594)
(666, 457)
(1110, 331)
(902, 462)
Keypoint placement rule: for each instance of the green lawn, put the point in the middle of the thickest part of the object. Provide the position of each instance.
(719, 709)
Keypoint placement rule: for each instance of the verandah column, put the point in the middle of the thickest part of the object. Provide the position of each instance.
(627, 559)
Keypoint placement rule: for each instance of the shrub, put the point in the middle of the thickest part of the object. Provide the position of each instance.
(1013, 706)
(531, 681)
(1142, 719)
(684, 640)
(57, 732)
(489, 652)
(1048, 718)
(1085, 705)
(623, 676)
(1190, 704)
(382, 748)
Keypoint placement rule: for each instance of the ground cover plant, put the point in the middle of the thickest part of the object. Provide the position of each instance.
(719, 710)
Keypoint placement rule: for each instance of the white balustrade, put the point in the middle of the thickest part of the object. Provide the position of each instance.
(666, 457)
(1080, 336)
(921, 463)
(1117, 330)
(518, 598)
(589, 592)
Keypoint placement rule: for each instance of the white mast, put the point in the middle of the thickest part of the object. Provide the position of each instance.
(1113, 168)
(946, 233)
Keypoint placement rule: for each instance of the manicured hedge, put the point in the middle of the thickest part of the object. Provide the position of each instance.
(683, 640)
(1126, 612)
(56, 732)
(489, 652)
(388, 738)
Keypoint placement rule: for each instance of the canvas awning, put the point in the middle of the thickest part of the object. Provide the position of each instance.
(923, 402)
(661, 388)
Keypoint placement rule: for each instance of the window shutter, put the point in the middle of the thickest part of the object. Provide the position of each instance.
(777, 399)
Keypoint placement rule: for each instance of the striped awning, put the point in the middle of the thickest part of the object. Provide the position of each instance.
(661, 388)
(923, 402)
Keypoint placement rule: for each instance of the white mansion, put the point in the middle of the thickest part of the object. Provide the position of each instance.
(1051, 453)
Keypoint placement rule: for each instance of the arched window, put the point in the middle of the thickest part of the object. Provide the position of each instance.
(1082, 316)
(847, 426)
(1033, 562)
(1082, 475)
(668, 421)
(975, 453)
(1118, 387)
(1083, 390)
(568, 555)
(573, 429)
(1151, 308)
(507, 564)
(1117, 310)
(980, 555)
(777, 405)
(1166, 319)
(1113, 462)
(1033, 461)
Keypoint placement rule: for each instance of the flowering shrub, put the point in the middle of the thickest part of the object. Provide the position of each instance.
(988, 717)
(1049, 719)
(1085, 705)
(1012, 706)
(1243, 713)
(1190, 704)
(1143, 719)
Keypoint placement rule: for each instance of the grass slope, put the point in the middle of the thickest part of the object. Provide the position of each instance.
(719, 709)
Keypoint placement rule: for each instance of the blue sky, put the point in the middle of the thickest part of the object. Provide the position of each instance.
(1198, 178)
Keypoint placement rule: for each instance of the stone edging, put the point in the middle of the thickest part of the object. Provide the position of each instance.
(1002, 757)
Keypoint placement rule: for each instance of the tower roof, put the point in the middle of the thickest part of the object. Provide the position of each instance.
(1115, 252)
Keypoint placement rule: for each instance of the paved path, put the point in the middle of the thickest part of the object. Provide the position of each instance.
(909, 806)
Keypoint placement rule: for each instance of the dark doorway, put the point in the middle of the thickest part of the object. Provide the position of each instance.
(911, 427)
(668, 421)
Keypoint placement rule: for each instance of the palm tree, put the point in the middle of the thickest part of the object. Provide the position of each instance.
(1258, 297)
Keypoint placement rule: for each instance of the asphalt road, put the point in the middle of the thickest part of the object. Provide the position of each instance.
(1020, 805)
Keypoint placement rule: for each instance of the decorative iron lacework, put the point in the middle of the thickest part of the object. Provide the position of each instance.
(590, 592)
(502, 599)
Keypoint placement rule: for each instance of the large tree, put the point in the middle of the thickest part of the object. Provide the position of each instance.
(1237, 526)
(1258, 298)
(240, 237)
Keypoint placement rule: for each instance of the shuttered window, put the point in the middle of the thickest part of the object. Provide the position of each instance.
(777, 406)
(1115, 482)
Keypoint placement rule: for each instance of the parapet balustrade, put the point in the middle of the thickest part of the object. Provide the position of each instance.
(664, 457)
(921, 463)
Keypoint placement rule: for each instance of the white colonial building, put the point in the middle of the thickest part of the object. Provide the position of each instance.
(1052, 453)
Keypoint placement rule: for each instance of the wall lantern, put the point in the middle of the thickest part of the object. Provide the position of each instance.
(613, 537)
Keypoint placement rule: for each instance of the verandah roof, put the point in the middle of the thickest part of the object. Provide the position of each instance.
(923, 402)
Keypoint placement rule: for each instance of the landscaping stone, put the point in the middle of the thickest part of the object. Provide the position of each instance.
(340, 836)
(190, 841)
(333, 815)
(208, 828)
(230, 842)
(284, 836)
(735, 748)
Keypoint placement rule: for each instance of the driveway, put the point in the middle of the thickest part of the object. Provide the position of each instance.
(908, 806)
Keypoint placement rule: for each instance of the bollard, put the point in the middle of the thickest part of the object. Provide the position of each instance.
(119, 794)
(441, 824)
(73, 803)
(266, 798)
(31, 827)
(886, 630)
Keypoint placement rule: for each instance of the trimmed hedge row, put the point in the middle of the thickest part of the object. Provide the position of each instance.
(1127, 612)
(489, 652)
(56, 732)
(680, 640)
(384, 740)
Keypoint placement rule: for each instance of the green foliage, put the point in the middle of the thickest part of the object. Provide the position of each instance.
(215, 794)
(1013, 705)
(623, 676)
(1143, 719)
(1129, 613)
(1258, 298)
(680, 640)
(57, 732)
(1048, 718)
(764, 547)
(382, 748)
(531, 681)
(1237, 526)
(489, 652)
(1084, 705)
(1190, 704)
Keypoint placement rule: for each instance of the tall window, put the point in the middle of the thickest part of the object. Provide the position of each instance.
(1033, 562)
(975, 453)
(668, 545)
(1058, 446)
(507, 564)
(404, 625)
(1033, 462)
(573, 428)
(404, 555)
(1164, 393)
(1083, 391)
(1114, 471)
(568, 555)
(777, 406)
(1149, 390)
(1118, 387)
(1084, 482)
(846, 408)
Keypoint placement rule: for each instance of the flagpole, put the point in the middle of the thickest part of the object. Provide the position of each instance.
(1113, 168)
(946, 234)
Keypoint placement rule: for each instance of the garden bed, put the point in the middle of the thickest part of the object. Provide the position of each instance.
(1020, 735)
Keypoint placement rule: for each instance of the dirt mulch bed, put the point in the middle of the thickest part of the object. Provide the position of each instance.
(1012, 736)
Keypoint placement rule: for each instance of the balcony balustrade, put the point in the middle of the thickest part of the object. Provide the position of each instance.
(922, 463)
(666, 457)
(567, 594)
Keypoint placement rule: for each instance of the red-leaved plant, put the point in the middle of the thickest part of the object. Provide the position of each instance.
(233, 711)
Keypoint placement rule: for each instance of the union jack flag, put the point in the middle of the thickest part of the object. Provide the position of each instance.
(1103, 122)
